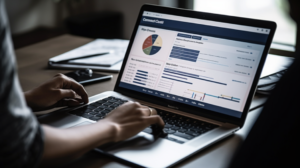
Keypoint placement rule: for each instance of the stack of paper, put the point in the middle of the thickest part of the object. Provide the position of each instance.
(113, 50)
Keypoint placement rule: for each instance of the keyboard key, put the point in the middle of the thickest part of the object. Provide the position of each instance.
(106, 99)
(114, 105)
(95, 118)
(192, 133)
(182, 135)
(195, 130)
(110, 108)
(168, 126)
(112, 101)
(103, 106)
(170, 131)
(101, 102)
(90, 107)
(85, 110)
(98, 109)
(175, 128)
(97, 104)
(107, 103)
(120, 102)
(86, 115)
(148, 130)
(100, 115)
(93, 113)
(105, 111)
(171, 139)
(182, 130)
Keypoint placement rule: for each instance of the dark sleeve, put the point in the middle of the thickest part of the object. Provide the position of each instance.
(21, 137)
(274, 139)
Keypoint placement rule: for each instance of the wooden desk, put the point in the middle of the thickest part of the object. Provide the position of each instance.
(33, 70)
(32, 63)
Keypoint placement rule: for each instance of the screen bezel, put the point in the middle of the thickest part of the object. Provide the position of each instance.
(206, 16)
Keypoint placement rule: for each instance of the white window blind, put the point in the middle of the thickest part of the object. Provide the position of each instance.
(274, 10)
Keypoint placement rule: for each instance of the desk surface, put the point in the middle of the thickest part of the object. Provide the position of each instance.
(33, 70)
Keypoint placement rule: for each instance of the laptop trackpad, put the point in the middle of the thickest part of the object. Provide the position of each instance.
(140, 148)
(135, 142)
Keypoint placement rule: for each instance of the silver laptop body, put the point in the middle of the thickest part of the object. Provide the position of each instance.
(198, 65)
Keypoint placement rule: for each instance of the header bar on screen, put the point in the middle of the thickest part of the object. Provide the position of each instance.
(205, 30)
(207, 22)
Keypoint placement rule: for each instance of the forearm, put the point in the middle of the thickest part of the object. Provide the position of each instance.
(64, 145)
(29, 100)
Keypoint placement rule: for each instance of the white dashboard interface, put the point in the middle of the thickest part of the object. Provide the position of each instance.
(206, 64)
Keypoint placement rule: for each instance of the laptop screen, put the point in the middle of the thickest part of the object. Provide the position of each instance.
(202, 63)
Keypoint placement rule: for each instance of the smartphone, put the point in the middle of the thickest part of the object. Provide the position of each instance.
(84, 77)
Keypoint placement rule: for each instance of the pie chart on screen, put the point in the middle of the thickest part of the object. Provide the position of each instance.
(152, 44)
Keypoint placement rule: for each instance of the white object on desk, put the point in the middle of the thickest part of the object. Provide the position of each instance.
(114, 68)
(275, 63)
(115, 47)
(103, 60)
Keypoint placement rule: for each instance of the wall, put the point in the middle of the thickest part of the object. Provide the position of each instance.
(129, 8)
(25, 15)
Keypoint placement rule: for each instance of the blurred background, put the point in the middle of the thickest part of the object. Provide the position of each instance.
(33, 21)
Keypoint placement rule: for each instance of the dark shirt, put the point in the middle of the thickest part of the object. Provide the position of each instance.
(274, 138)
(21, 137)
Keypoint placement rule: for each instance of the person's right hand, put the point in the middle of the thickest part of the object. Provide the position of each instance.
(63, 145)
(131, 118)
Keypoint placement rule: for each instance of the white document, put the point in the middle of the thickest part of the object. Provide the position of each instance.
(102, 60)
(114, 50)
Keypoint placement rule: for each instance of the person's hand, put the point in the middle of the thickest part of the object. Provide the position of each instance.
(130, 119)
(64, 145)
(59, 91)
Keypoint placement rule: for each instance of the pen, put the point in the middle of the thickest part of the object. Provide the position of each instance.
(85, 56)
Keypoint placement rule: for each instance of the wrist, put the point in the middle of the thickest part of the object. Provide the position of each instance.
(112, 130)
(27, 96)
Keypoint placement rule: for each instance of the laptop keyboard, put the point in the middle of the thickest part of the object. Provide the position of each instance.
(176, 125)
(181, 126)
(99, 109)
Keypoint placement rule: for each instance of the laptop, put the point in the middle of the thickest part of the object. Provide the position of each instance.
(198, 70)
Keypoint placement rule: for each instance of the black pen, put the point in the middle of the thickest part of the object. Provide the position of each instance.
(85, 56)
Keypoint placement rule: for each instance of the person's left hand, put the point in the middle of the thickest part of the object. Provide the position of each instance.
(60, 91)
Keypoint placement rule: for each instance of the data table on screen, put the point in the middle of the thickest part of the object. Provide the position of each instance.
(184, 54)
(141, 75)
